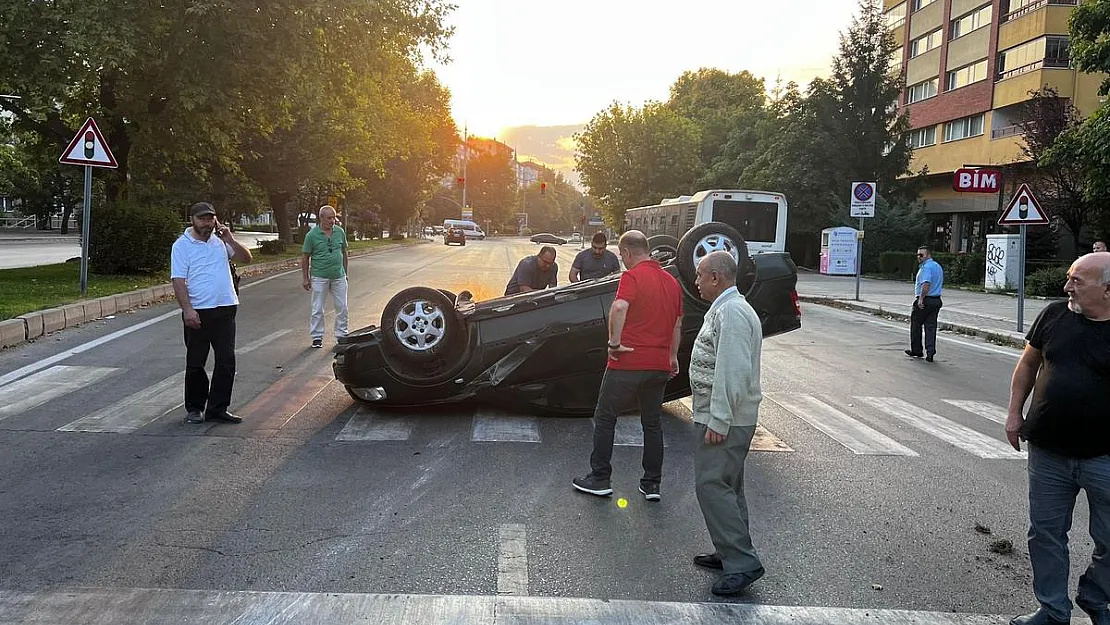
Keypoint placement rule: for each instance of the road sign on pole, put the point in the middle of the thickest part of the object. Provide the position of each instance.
(89, 149)
(1023, 210)
(862, 205)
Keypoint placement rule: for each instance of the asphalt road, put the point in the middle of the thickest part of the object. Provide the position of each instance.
(103, 486)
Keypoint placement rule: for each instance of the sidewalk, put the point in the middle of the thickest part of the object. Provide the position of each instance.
(21, 235)
(987, 315)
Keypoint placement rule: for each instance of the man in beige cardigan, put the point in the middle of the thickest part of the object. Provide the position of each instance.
(724, 380)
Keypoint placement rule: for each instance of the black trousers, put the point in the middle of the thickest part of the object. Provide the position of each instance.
(216, 333)
(924, 319)
(620, 390)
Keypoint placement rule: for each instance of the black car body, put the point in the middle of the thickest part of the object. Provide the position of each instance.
(454, 235)
(542, 352)
(544, 237)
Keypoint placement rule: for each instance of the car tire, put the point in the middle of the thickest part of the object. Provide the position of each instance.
(419, 326)
(663, 247)
(702, 239)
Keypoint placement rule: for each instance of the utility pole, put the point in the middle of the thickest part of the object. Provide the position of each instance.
(466, 157)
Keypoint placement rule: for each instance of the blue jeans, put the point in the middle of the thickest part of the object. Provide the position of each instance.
(1054, 483)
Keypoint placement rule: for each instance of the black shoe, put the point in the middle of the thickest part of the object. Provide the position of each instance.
(910, 353)
(1040, 617)
(1099, 616)
(593, 486)
(194, 416)
(650, 492)
(225, 417)
(928, 358)
(709, 561)
(736, 583)
(317, 343)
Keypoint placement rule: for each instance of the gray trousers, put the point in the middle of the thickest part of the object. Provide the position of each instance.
(719, 483)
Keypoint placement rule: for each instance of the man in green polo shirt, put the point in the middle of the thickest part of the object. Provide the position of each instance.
(324, 269)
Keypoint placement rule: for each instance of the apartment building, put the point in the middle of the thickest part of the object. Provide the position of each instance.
(968, 67)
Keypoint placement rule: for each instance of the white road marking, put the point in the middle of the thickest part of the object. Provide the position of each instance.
(762, 440)
(629, 432)
(859, 438)
(965, 438)
(512, 562)
(135, 410)
(496, 428)
(367, 425)
(984, 409)
(253, 345)
(46, 385)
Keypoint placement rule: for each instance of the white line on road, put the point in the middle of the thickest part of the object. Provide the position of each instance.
(367, 425)
(629, 432)
(965, 438)
(857, 437)
(250, 347)
(46, 385)
(512, 563)
(135, 410)
(501, 429)
(984, 409)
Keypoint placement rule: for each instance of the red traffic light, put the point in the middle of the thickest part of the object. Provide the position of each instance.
(543, 188)
(460, 180)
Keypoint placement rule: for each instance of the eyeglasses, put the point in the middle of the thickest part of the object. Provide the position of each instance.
(921, 256)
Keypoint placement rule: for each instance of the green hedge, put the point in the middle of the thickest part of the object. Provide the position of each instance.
(1047, 282)
(272, 246)
(127, 238)
(958, 268)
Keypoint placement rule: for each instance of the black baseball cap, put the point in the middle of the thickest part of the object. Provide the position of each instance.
(201, 208)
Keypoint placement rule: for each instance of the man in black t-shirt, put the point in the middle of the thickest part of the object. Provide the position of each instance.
(1066, 364)
(595, 262)
(534, 273)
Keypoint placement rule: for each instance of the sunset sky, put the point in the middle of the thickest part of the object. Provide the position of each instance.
(555, 63)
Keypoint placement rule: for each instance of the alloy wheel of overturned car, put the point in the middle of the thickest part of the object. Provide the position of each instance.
(704, 239)
(663, 248)
(420, 325)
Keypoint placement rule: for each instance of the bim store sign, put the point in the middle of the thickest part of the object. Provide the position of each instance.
(968, 180)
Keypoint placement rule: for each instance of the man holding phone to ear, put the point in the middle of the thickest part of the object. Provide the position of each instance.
(202, 282)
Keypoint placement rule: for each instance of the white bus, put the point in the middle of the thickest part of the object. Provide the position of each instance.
(759, 216)
(470, 229)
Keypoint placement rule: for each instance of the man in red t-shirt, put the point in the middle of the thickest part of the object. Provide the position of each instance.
(645, 323)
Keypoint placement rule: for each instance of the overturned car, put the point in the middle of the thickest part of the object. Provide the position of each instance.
(542, 352)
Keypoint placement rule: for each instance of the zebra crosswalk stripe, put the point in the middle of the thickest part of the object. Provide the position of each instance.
(39, 388)
(857, 437)
(367, 425)
(983, 409)
(497, 428)
(965, 438)
(135, 410)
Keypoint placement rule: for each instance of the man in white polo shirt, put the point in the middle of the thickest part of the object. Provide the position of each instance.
(201, 276)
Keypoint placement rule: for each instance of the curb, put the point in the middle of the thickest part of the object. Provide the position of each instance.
(998, 337)
(28, 327)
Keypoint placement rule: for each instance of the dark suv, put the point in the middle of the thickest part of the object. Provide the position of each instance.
(454, 235)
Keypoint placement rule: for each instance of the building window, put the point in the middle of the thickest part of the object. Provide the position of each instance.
(923, 137)
(921, 4)
(972, 21)
(896, 16)
(1019, 8)
(1033, 55)
(964, 128)
(967, 75)
(896, 59)
(921, 45)
(922, 90)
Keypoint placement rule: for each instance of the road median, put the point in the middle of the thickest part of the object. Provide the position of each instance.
(34, 325)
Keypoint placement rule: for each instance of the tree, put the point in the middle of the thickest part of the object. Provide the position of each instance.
(726, 108)
(491, 186)
(632, 157)
(1059, 181)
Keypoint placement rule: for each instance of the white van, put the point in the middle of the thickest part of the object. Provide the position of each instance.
(470, 229)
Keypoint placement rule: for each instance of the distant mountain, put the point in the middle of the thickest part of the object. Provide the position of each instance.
(551, 145)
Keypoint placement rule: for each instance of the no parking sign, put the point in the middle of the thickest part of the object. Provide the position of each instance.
(863, 199)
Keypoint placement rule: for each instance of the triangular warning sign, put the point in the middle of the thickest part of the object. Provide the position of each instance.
(88, 148)
(1023, 210)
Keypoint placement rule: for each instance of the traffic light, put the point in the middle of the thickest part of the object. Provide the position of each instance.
(583, 220)
(543, 188)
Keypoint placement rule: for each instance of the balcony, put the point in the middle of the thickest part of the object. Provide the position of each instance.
(1059, 63)
(1035, 6)
(1006, 131)
(1013, 86)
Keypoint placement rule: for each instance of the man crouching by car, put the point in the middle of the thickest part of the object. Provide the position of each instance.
(724, 380)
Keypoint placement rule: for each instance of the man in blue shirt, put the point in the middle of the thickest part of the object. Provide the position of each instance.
(534, 273)
(926, 305)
